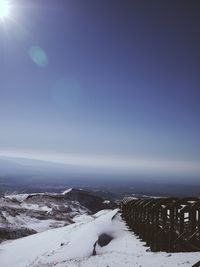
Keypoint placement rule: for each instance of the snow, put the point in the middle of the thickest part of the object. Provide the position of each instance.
(18, 197)
(42, 225)
(22, 197)
(72, 246)
(106, 202)
(67, 191)
(36, 207)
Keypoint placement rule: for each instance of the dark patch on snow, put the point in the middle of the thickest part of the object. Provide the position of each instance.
(114, 216)
(103, 240)
(94, 249)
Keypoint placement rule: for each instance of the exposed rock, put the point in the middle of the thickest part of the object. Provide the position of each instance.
(88, 200)
(13, 233)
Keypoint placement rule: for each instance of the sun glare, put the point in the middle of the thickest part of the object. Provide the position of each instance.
(4, 9)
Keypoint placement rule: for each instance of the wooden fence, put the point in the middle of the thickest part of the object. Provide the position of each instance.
(165, 224)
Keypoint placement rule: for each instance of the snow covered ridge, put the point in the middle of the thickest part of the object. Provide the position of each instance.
(73, 245)
(22, 197)
(25, 214)
(67, 191)
(17, 197)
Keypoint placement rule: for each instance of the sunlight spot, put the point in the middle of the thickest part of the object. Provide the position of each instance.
(4, 9)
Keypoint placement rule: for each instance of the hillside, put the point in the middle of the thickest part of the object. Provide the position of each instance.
(25, 214)
(74, 245)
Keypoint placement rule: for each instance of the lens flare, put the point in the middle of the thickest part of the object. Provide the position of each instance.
(38, 56)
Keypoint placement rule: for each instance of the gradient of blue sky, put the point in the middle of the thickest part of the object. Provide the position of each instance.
(122, 79)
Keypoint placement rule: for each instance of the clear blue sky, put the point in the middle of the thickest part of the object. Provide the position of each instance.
(108, 78)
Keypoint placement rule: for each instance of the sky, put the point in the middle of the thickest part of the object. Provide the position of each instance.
(105, 83)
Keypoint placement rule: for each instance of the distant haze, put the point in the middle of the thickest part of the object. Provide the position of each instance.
(100, 164)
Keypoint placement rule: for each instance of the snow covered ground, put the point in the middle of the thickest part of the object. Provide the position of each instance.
(72, 246)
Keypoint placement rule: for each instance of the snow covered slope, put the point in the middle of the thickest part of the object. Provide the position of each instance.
(73, 245)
